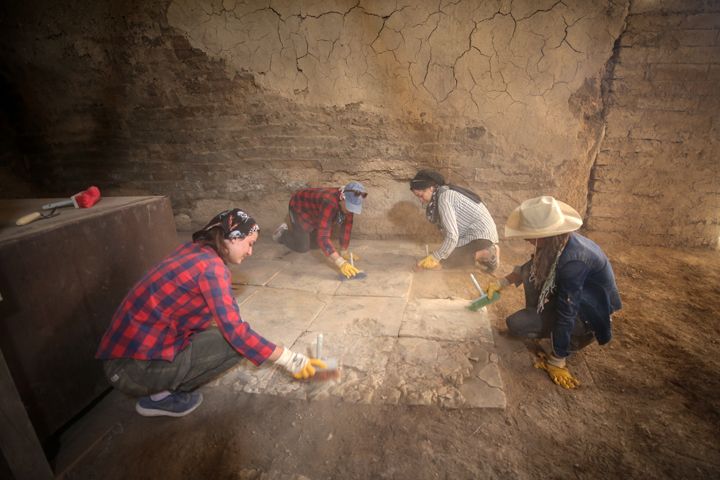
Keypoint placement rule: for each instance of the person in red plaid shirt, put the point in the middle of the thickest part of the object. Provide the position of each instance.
(313, 212)
(161, 344)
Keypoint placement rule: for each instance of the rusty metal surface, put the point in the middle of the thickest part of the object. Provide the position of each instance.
(61, 279)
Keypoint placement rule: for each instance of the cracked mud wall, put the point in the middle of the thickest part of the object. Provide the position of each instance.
(219, 103)
(489, 84)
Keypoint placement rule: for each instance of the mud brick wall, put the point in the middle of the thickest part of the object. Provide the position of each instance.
(657, 175)
(223, 103)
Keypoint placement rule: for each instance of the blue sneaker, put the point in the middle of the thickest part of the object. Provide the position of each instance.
(177, 404)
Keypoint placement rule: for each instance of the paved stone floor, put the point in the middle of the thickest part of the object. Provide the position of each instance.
(399, 336)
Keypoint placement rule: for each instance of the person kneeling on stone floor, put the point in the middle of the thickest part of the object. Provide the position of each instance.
(470, 234)
(161, 344)
(570, 289)
(312, 214)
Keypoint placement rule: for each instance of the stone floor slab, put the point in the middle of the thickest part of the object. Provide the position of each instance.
(446, 284)
(439, 319)
(363, 316)
(319, 278)
(243, 293)
(256, 271)
(282, 316)
(379, 282)
(399, 336)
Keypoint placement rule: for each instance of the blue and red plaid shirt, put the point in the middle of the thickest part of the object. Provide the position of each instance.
(179, 297)
(318, 209)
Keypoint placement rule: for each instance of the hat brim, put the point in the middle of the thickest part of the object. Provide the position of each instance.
(352, 208)
(515, 229)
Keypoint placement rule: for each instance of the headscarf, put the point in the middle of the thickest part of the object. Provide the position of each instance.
(427, 178)
(234, 223)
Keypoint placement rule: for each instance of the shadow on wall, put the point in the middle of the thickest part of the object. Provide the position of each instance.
(409, 222)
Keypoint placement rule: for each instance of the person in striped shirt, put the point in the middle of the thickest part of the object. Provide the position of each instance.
(312, 214)
(161, 343)
(470, 233)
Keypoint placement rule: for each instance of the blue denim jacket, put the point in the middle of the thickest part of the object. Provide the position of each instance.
(586, 289)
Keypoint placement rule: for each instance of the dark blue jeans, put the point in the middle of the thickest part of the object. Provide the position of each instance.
(527, 323)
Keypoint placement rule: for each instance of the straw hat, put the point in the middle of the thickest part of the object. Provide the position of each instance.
(542, 217)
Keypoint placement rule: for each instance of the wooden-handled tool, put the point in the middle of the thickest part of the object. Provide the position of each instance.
(31, 217)
(85, 199)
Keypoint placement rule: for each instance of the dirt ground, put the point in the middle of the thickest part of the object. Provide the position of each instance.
(648, 407)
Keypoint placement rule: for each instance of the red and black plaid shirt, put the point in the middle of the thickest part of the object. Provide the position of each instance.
(318, 209)
(177, 298)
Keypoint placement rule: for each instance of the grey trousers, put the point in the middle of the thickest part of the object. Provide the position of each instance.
(207, 356)
(297, 239)
(465, 256)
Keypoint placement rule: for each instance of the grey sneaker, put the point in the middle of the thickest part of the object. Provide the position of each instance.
(279, 231)
(177, 404)
(491, 264)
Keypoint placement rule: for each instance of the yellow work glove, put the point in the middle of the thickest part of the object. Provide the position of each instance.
(345, 268)
(348, 270)
(560, 375)
(309, 369)
(429, 263)
(346, 255)
(496, 286)
(298, 365)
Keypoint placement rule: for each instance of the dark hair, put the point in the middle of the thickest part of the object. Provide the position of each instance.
(426, 178)
(214, 238)
(545, 257)
(430, 178)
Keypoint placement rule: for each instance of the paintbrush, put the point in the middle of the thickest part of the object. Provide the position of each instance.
(331, 371)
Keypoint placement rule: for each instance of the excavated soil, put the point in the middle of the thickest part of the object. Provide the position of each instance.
(648, 407)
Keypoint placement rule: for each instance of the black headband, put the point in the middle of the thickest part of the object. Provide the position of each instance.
(234, 223)
(426, 179)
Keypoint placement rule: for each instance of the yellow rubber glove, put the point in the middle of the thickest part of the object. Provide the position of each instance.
(309, 369)
(429, 263)
(346, 255)
(496, 286)
(560, 375)
(348, 270)
(298, 365)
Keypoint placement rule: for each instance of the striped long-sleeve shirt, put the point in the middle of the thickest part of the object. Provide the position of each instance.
(317, 209)
(180, 296)
(463, 221)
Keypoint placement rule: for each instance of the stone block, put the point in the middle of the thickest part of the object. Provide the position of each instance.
(379, 282)
(282, 316)
(308, 277)
(447, 320)
(242, 293)
(361, 316)
(256, 271)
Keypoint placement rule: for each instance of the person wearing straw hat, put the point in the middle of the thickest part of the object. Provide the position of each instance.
(470, 233)
(180, 326)
(312, 214)
(570, 289)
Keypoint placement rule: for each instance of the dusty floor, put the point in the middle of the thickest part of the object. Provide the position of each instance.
(649, 406)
